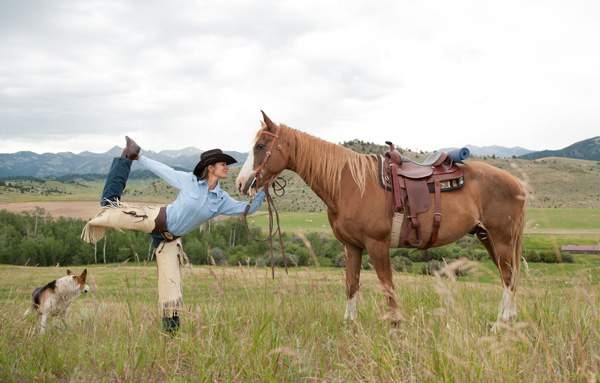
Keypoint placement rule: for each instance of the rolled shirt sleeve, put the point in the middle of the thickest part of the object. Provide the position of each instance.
(232, 207)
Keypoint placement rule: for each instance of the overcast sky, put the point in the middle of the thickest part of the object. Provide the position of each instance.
(80, 75)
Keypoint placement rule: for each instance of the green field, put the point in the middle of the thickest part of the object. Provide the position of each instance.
(243, 326)
(556, 227)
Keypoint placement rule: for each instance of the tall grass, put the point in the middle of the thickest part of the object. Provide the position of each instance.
(241, 325)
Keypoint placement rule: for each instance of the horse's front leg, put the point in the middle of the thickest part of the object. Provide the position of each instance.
(353, 260)
(380, 257)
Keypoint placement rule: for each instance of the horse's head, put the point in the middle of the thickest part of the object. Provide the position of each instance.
(266, 160)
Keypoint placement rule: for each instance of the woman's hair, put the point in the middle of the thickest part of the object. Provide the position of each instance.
(204, 174)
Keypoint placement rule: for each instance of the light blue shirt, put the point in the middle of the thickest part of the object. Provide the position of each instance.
(195, 204)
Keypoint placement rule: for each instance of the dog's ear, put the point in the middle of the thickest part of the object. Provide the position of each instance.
(69, 272)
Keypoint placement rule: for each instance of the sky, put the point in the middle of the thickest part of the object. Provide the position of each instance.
(79, 75)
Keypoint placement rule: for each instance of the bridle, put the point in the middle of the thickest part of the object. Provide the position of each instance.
(279, 189)
(269, 152)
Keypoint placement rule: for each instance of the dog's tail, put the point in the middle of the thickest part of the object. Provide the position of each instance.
(33, 307)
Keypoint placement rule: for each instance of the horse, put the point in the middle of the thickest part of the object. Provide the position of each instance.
(490, 205)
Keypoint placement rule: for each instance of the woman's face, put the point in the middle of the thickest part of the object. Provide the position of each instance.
(219, 169)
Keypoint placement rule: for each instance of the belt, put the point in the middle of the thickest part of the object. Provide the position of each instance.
(160, 225)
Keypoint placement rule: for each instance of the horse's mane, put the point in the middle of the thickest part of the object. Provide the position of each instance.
(320, 162)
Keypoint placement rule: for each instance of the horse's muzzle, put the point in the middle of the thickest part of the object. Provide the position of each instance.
(250, 182)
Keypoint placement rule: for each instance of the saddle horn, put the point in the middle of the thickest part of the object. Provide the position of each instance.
(393, 154)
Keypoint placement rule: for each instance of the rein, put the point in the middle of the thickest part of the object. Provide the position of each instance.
(278, 184)
(280, 188)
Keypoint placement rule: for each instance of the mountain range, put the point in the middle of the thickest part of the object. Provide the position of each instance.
(582, 150)
(494, 150)
(29, 164)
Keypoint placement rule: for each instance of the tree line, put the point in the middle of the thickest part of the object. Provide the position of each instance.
(36, 238)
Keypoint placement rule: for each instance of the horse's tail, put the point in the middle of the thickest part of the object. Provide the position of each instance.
(517, 245)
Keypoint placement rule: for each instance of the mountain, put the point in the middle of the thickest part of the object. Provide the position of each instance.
(29, 164)
(584, 150)
(494, 150)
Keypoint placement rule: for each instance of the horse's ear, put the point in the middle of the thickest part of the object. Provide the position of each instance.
(269, 123)
(263, 125)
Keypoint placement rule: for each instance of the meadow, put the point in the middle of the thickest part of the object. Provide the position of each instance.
(545, 228)
(242, 325)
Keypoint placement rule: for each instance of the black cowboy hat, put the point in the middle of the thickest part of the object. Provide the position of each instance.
(211, 157)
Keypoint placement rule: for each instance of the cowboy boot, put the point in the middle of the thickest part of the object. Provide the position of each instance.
(131, 150)
(171, 325)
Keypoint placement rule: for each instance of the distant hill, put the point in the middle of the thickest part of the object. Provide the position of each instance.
(583, 150)
(494, 151)
(30, 164)
(552, 182)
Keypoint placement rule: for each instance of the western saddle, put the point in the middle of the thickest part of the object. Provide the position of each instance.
(412, 182)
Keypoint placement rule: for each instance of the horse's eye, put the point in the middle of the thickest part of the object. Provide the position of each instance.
(260, 146)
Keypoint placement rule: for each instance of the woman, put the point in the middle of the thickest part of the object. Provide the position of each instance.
(199, 200)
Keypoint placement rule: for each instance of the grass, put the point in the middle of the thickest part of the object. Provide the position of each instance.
(545, 229)
(564, 219)
(241, 325)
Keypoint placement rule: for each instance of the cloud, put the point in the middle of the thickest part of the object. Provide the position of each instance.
(79, 76)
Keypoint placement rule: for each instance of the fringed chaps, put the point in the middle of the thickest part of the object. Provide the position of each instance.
(169, 265)
(169, 254)
(119, 216)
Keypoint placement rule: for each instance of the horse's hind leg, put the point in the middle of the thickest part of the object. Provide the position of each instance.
(380, 257)
(504, 248)
(353, 260)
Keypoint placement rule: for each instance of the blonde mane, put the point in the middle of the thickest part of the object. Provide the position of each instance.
(321, 163)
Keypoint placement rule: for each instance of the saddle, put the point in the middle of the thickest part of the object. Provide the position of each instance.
(412, 182)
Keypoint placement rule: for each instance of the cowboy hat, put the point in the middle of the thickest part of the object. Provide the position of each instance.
(211, 157)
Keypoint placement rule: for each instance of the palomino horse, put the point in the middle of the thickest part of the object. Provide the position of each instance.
(490, 205)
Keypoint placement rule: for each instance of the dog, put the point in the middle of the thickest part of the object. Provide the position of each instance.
(56, 297)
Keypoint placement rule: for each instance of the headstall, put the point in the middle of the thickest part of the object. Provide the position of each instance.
(269, 152)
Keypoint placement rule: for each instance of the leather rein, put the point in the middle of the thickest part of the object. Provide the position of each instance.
(278, 184)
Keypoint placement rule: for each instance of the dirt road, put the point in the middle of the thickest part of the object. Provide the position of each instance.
(71, 209)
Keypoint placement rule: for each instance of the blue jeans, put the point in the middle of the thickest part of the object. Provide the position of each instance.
(115, 185)
(116, 180)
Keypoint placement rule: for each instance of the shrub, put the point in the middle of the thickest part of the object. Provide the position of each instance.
(549, 256)
(463, 253)
(325, 262)
(301, 254)
(339, 261)
(439, 253)
(219, 256)
(467, 241)
(277, 260)
(417, 256)
(532, 256)
(480, 254)
(400, 252)
(402, 264)
(567, 257)
(366, 262)
(430, 267)
(436, 266)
